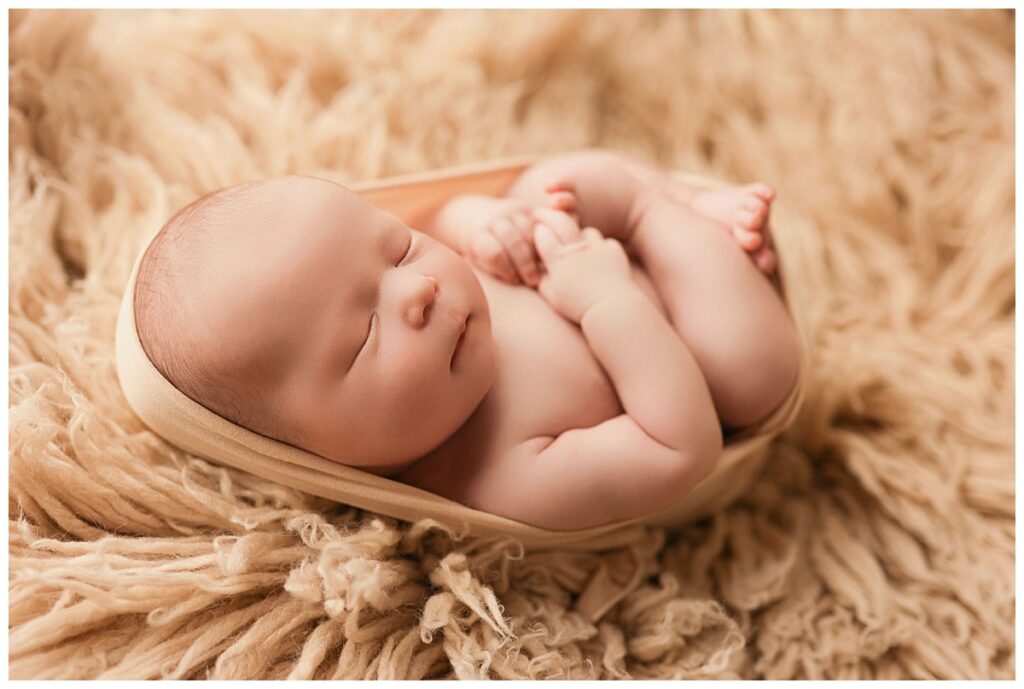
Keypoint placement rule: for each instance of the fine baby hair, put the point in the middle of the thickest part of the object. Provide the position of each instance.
(173, 334)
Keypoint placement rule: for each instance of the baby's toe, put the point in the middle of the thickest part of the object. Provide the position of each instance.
(759, 212)
(750, 217)
(750, 241)
(762, 191)
(766, 260)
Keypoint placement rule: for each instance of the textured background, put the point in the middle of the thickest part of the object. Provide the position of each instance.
(879, 541)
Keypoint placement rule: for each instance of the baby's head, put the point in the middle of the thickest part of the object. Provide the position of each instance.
(295, 308)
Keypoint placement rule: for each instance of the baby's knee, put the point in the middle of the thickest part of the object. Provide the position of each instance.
(605, 191)
(764, 374)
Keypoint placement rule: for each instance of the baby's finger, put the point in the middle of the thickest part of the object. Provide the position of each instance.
(592, 234)
(544, 287)
(517, 246)
(491, 256)
(524, 222)
(546, 242)
(564, 227)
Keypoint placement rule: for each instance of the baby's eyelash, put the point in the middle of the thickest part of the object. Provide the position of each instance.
(369, 330)
(406, 254)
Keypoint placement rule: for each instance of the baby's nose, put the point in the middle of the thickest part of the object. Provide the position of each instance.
(421, 298)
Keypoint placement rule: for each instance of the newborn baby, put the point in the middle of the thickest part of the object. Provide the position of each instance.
(499, 355)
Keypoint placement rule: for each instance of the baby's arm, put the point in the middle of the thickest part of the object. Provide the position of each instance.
(631, 465)
(458, 217)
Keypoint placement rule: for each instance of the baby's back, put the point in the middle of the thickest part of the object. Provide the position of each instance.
(547, 382)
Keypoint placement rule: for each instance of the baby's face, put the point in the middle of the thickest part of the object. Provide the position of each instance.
(374, 339)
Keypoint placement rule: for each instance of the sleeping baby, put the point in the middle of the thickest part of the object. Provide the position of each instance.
(566, 356)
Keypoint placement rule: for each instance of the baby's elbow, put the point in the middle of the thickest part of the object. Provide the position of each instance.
(706, 451)
(695, 458)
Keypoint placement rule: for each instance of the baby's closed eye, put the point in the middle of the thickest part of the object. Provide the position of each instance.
(369, 332)
(407, 252)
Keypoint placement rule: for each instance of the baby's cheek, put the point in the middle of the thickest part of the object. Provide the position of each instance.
(403, 374)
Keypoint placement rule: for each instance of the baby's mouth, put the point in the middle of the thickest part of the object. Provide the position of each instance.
(458, 343)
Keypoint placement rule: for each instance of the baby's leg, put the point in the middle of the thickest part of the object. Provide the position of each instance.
(603, 194)
(725, 310)
(610, 181)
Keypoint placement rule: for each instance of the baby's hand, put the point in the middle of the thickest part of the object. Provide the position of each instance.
(504, 245)
(583, 267)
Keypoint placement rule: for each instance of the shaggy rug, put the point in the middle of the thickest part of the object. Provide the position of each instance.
(879, 541)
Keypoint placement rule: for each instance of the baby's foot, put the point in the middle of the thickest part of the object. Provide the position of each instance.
(743, 211)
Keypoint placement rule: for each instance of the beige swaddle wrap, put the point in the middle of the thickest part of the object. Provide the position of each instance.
(192, 427)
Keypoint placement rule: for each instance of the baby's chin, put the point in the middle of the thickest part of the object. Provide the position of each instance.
(387, 470)
(388, 449)
(445, 429)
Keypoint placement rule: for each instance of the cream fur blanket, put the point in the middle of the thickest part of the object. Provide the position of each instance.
(879, 541)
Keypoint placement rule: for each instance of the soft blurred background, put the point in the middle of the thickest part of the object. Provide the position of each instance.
(879, 542)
